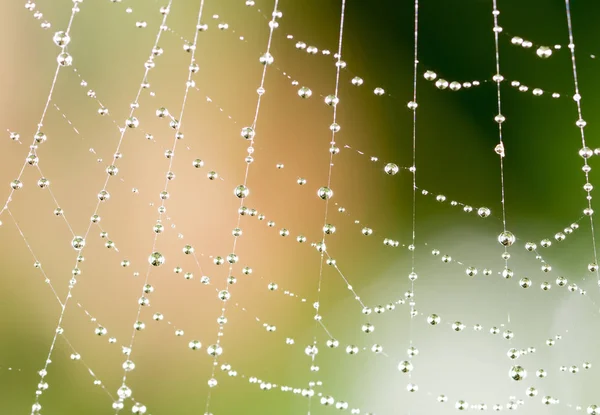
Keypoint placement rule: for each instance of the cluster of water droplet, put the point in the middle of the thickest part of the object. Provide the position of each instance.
(241, 191)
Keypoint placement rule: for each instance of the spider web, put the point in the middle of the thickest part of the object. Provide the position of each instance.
(232, 324)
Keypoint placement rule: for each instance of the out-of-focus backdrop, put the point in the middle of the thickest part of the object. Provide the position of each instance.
(455, 157)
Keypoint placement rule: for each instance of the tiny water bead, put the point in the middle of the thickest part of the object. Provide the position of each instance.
(328, 229)
(266, 59)
(352, 350)
(64, 59)
(128, 365)
(461, 405)
(412, 387)
(405, 366)
(513, 353)
(525, 282)
(430, 75)
(156, 259)
(100, 331)
(248, 133)
(241, 191)
(517, 373)
(132, 122)
(433, 319)
(16, 184)
(61, 39)
(484, 212)
(304, 92)
(325, 193)
(332, 100)
(357, 81)
(441, 83)
(499, 149)
(455, 86)
(78, 243)
(544, 52)
(112, 170)
(103, 195)
(458, 326)
(391, 169)
(506, 238)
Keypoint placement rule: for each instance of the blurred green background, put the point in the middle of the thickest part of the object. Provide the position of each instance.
(456, 136)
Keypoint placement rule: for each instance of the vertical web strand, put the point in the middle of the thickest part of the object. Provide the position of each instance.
(331, 153)
(505, 238)
(251, 131)
(175, 140)
(36, 406)
(413, 105)
(499, 118)
(585, 152)
(33, 146)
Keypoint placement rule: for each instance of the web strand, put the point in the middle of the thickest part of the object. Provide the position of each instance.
(499, 117)
(250, 133)
(161, 211)
(34, 257)
(36, 406)
(581, 124)
(33, 147)
(506, 238)
(413, 105)
(455, 266)
(331, 153)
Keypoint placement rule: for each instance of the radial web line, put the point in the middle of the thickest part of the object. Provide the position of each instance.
(33, 146)
(272, 26)
(413, 105)
(160, 211)
(331, 153)
(581, 125)
(44, 371)
(506, 238)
